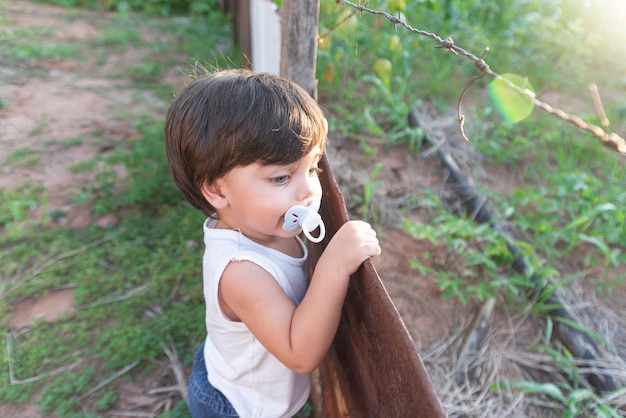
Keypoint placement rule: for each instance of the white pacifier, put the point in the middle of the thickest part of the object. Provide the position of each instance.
(307, 219)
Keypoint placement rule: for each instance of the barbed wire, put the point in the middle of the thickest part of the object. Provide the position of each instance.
(611, 140)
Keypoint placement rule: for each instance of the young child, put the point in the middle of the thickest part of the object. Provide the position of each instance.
(244, 147)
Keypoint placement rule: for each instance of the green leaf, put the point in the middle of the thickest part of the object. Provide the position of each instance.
(549, 389)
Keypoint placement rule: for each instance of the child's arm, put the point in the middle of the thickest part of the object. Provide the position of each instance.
(298, 336)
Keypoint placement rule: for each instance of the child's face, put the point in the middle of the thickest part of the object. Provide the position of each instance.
(254, 198)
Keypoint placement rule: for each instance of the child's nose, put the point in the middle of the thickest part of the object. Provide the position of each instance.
(309, 187)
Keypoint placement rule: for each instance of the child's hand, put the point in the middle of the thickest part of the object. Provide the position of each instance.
(354, 243)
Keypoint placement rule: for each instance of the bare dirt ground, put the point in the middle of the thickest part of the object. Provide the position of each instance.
(75, 98)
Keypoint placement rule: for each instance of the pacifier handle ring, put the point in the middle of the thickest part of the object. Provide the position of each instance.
(310, 237)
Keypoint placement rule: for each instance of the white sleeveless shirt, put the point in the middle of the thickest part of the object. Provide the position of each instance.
(255, 382)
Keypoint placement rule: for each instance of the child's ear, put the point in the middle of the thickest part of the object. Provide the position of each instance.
(213, 194)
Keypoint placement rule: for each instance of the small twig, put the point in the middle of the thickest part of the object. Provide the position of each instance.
(609, 397)
(17, 282)
(481, 65)
(413, 119)
(436, 351)
(176, 366)
(474, 340)
(54, 372)
(174, 290)
(132, 292)
(597, 105)
(108, 380)
(336, 25)
(164, 389)
(133, 414)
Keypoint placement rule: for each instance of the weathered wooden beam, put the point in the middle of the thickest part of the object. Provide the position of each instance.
(373, 368)
(298, 54)
(240, 15)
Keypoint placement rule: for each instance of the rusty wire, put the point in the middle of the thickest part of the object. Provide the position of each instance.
(611, 140)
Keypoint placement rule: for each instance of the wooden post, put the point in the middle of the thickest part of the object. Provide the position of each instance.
(298, 53)
(372, 368)
(240, 10)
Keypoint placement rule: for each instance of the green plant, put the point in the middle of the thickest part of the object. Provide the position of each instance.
(106, 401)
(147, 72)
(574, 402)
(23, 156)
(387, 117)
(381, 75)
(31, 44)
(147, 180)
(73, 142)
(572, 398)
(116, 36)
(366, 202)
(16, 204)
(573, 210)
(474, 259)
(58, 397)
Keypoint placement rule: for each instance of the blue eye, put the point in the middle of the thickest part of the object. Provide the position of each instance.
(280, 179)
(315, 171)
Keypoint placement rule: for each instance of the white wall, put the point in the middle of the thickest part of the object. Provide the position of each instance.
(265, 36)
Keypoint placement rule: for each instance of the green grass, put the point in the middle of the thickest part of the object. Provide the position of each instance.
(136, 285)
(16, 203)
(119, 34)
(73, 142)
(34, 43)
(24, 157)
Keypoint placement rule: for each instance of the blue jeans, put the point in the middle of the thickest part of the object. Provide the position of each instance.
(204, 400)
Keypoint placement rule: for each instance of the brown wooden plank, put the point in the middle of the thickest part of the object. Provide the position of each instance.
(240, 10)
(298, 54)
(373, 368)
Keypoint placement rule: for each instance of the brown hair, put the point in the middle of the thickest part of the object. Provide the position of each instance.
(234, 118)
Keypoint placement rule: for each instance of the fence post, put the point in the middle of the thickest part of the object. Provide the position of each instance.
(298, 54)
